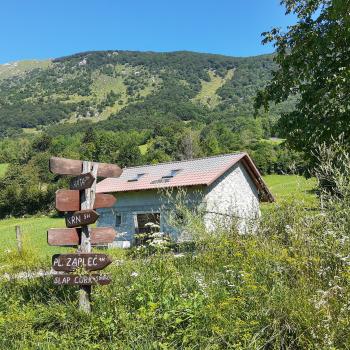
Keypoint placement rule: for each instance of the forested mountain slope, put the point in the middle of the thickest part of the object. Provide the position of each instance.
(123, 90)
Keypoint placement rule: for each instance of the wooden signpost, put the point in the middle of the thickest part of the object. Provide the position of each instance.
(79, 203)
(72, 262)
(65, 166)
(71, 236)
(69, 200)
(81, 217)
(81, 280)
(81, 182)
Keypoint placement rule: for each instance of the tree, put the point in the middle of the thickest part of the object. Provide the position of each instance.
(188, 145)
(42, 143)
(129, 154)
(314, 65)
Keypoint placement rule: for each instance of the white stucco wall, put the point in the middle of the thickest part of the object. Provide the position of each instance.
(232, 199)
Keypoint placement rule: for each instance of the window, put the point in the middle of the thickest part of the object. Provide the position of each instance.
(118, 220)
(172, 173)
(136, 177)
(145, 221)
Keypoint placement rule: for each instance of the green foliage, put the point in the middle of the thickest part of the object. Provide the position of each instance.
(3, 169)
(285, 287)
(150, 86)
(22, 191)
(314, 67)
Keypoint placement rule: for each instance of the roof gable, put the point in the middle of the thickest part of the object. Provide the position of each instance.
(193, 172)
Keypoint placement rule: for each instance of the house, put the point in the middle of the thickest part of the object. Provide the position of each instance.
(225, 188)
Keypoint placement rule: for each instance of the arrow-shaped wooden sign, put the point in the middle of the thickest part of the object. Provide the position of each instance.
(88, 261)
(81, 217)
(84, 280)
(65, 166)
(71, 236)
(81, 182)
(69, 200)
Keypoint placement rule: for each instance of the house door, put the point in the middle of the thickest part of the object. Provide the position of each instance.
(146, 223)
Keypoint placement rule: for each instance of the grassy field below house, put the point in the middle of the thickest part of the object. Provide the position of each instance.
(3, 168)
(292, 187)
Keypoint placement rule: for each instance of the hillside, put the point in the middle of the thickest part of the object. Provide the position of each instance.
(123, 90)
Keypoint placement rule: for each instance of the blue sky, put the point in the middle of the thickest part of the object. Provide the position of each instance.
(47, 28)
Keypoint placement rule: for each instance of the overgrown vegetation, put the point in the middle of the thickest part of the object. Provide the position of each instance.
(283, 287)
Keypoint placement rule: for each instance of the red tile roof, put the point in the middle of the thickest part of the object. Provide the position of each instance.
(193, 172)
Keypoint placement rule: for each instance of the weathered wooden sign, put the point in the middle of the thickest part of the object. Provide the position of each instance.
(72, 236)
(79, 203)
(65, 166)
(81, 182)
(83, 280)
(81, 217)
(88, 261)
(69, 200)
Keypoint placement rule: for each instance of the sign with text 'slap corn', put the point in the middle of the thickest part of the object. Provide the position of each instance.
(78, 202)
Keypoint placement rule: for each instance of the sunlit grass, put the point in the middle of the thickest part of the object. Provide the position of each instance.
(292, 187)
(3, 168)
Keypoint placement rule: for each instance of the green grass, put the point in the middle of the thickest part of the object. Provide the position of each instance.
(34, 239)
(3, 168)
(292, 187)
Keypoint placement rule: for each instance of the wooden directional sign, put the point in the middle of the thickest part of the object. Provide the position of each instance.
(84, 280)
(81, 217)
(65, 166)
(71, 236)
(69, 200)
(71, 262)
(81, 182)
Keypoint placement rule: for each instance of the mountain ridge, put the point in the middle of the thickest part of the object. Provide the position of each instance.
(125, 89)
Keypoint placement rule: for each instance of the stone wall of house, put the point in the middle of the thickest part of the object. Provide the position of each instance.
(232, 200)
(129, 204)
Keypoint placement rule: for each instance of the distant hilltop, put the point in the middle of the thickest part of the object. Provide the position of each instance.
(123, 87)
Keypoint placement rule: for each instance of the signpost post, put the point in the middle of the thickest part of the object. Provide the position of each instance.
(87, 199)
(79, 203)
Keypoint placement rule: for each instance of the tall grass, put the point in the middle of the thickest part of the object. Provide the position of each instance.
(283, 287)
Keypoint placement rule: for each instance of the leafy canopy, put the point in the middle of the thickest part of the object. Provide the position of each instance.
(314, 65)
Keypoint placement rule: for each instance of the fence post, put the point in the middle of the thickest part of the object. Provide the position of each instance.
(19, 239)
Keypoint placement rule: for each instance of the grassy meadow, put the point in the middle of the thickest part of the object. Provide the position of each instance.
(285, 288)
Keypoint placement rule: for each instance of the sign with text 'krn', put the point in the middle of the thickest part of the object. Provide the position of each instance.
(88, 261)
(81, 217)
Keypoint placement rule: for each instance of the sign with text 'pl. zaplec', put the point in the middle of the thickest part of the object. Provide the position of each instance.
(82, 217)
(88, 261)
